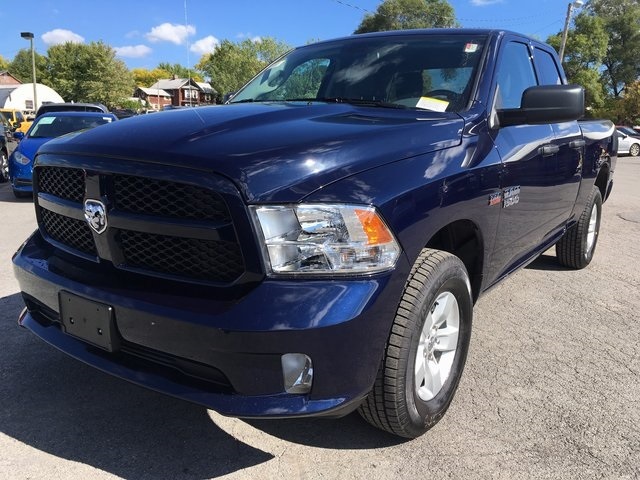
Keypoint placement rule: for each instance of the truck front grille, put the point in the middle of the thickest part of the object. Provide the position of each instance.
(189, 257)
(157, 227)
(66, 183)
(150, 196)
(68, 231)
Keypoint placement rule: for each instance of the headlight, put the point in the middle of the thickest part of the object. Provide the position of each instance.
(20, 158)
(321, 239)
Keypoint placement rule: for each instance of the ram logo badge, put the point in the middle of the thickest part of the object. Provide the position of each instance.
(96, 215)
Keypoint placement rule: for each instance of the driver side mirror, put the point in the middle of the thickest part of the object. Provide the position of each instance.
(545, 104)
(18, 135)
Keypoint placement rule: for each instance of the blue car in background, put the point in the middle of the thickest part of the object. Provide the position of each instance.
(44, 128)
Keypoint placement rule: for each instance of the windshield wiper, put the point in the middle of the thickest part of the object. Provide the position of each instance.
(350, 101)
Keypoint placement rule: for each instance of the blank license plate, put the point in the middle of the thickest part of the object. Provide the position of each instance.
(89, 321)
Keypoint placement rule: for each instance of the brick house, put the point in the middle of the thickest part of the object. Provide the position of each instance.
(186, 91)
(7, 79)
(156, 98)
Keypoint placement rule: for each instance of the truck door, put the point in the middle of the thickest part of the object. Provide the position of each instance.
(532, 180)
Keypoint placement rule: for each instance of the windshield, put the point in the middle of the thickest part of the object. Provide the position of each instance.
(51, 127)
(433, 72)
(628, 131)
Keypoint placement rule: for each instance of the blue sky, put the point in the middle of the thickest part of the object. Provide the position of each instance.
(145, 33)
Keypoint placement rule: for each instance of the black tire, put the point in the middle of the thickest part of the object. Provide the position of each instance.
(634, 150)
(577, 246)
(395, 404)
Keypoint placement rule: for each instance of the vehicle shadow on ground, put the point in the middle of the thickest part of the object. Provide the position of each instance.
(60, 406)
(547, 262)
(6, 195)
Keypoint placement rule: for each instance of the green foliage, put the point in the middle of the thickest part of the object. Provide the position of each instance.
(89, 73)
(134, 105)
(622, 59)
(21, 67)
(231, 65)
(4, 65)
(406, 14)
(623, 110)
(586, 47)
(145, 78)
(179, 71)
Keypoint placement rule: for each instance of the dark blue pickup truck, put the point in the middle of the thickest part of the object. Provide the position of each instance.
(316, 245)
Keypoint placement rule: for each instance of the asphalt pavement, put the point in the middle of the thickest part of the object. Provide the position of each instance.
(551, 390)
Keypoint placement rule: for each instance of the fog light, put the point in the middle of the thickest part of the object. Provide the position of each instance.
(297, 372)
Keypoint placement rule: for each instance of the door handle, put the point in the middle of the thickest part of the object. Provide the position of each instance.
(577, 143)
(549, 149)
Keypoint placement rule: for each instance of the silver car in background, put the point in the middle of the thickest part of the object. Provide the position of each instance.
(628, 141)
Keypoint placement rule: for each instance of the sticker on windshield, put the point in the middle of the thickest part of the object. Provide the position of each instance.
(47, 120)
(434, 104)
(471, 48)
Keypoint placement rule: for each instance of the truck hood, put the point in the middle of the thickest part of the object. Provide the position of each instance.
(273, 152)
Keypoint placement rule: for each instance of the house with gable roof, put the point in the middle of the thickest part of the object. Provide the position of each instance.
(185, 92)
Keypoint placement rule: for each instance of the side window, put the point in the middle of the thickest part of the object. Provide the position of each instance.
(547, 68)
(515, 75)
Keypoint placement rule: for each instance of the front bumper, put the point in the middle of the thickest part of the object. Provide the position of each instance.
(224, 352)
(21, 176)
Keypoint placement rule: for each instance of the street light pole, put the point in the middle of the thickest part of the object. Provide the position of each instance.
(572, 5)
(29, 36)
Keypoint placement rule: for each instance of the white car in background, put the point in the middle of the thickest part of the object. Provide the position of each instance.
(628, 141)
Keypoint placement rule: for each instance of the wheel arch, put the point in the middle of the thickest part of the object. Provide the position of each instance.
(602, 181)
(463, 239)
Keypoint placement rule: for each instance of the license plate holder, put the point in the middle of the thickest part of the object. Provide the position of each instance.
(90, 321)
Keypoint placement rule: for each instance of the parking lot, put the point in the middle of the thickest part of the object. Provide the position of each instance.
(551, 390)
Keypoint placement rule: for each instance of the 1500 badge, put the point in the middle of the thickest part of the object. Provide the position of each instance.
(511, 196)
(507, 196)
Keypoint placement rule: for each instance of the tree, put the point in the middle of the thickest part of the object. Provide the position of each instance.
(586, 47)
(231, 65)
(145, 78)
(89, 73)
(21, 67)
(405, 14)
(4, 65)
(179, 71)
(622, 59)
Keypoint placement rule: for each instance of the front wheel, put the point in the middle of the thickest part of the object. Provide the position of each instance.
(577, 246)
(426, 350)
(634, 150)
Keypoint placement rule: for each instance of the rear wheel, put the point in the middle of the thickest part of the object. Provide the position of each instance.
(634, 150)
(577, 246)
(426, 350)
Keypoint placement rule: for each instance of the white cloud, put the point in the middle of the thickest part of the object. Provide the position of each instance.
(168, 32)
(205, 45)
(60, 35)
(132, 34)
(253, 38)
(484, 3)
(133, 51)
